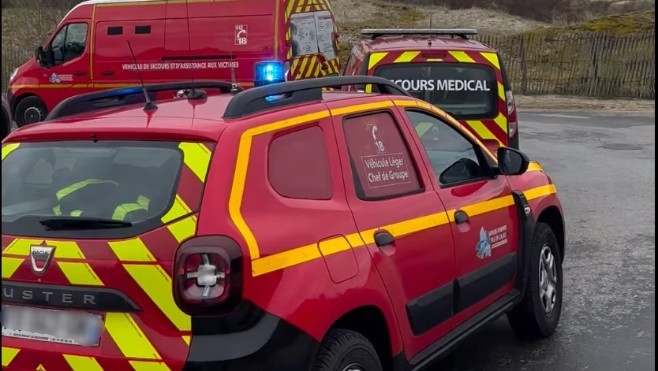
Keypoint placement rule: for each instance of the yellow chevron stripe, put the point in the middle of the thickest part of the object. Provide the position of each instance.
(178, 209)
(9, 148)
(291, 4)
(149, 366)
(197, 157)
(302, 67)
(501, 121)
(406, 57)
(133, 250)
(501, 91)
(461, 56)
(492, 58)
(375, 58)
(63, 249)
(80, 274)
(82, 363)
(183, 229)
(10, 266)
(482, 131)
(8, 355)
(129, 337)
(311, 66)
(157, 284)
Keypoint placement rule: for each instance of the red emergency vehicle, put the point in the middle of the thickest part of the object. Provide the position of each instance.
(446, 68)
(274, 40)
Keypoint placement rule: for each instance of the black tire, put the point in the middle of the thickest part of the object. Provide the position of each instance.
(529, 319)
(30, 110)
(343, 348)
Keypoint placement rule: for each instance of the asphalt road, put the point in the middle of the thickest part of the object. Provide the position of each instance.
(604, 170)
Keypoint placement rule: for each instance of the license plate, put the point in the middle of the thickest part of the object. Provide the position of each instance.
(56, 326)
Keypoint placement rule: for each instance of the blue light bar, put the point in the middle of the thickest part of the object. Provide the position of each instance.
(266, 73)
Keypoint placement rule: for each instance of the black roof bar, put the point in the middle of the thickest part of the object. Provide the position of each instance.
(301, 91)
(460, 32)
(111, 98)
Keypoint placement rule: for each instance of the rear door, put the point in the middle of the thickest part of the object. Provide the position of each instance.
(467, 85)
(400, 218)
(96, 296)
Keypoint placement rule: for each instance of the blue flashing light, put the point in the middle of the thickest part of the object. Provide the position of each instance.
(269, 73)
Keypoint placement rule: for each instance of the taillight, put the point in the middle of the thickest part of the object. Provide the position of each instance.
(208, 275)
(512, 122)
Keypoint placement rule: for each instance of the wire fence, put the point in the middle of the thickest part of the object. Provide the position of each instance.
(588, 64)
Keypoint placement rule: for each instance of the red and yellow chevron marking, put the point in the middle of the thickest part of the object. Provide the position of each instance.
(310, 66)
(304, 6)
(156, 337)
(495, 128)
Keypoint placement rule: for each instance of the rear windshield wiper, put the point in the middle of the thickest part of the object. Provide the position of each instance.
(67, 222)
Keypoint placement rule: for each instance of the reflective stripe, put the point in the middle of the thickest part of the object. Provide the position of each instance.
(80, 274)
(129, 337)
(8, 354)
(82, 363)
(492, 58)
(501, 121)
(376, 58)
(481, 129)
(149, 366)
(79, 185)
(10, 266)
(20, 246)
(157, 284)
(63, 249)
(501, 92)
(178, 209)
(9, 148)
(131, 250)
(183, 229)
(461, 56)
(197, 157)
(122, 210)
(406, 57)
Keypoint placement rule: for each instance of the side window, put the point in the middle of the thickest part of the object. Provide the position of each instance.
(381, 164)
(298, 165)
(69, 43)
(454, 158)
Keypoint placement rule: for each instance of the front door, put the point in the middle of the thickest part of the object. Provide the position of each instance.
(481, 210)
(401, 220)
(68, 72)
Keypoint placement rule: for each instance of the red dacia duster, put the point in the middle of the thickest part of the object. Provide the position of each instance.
(285, 227)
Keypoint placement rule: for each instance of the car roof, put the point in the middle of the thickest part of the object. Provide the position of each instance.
(175, 118)
(392, 43)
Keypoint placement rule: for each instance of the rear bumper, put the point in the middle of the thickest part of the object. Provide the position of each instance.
(271, 344)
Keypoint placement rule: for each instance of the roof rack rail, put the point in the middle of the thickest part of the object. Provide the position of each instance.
(111, 98)
(460, 32)
(296, 92)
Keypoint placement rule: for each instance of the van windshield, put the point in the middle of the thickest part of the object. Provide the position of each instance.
(466, 91)
(131, 182)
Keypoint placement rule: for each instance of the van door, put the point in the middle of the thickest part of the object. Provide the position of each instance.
(401, 220)
(69, 67)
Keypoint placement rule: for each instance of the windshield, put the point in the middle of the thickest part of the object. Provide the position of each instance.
(130, 182)
(466, 91)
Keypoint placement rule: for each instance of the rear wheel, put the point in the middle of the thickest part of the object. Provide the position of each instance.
(30, 110)
(345, 350)
(539, 313)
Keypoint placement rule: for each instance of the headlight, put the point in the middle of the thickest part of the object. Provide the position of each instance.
(13, 74)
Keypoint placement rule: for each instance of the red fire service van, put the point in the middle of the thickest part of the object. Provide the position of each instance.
(104, 44)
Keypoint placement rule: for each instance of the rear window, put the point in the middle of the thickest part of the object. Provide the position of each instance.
(133, 182)
(466, 91)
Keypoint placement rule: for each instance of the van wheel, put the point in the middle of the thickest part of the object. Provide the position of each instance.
(30, 110)
(345, 350)
(537, 316)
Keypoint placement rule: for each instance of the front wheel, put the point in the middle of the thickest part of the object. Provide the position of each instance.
(537, 316)
(30, 110)
(345, 350)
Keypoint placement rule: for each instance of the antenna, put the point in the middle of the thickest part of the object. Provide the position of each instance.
(193, 94)
(235, 88)
(150, 106)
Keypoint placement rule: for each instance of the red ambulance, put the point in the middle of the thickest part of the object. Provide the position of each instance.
(103, 44)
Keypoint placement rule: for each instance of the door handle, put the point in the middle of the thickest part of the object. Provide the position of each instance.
(461, 217)
(383, 238)
(107, 73)
(80, 73)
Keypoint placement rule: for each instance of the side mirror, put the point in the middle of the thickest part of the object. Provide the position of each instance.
(512, 161)
(38, 54)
